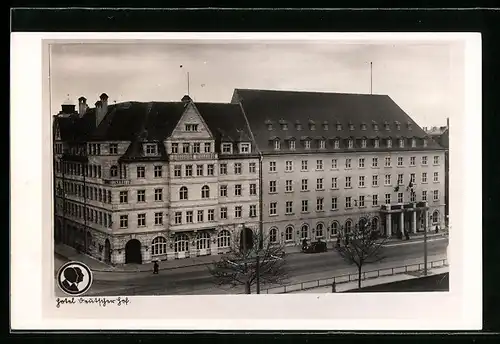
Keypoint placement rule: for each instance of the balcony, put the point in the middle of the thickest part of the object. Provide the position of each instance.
(116, 181)
(192, 156)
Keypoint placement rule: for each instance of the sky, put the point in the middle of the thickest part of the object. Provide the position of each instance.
(424, 79)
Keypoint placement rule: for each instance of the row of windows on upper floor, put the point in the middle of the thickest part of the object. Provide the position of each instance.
(350, 202)
(350, 143)
(85, 213)
(320, 182)
(311, 125)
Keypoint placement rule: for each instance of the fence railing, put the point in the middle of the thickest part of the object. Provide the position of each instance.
(352, 277)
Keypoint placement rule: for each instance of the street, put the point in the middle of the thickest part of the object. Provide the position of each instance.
(301, 267)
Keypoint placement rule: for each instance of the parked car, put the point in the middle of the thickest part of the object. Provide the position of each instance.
(315, 247)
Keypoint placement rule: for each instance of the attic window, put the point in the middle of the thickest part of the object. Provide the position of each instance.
(283, 124)
(351, 126)
(325, 125)
(363, 143)
(386, 126)
(425, 142)
(307, 144)
(413, 143)
(336, 144)
(298, 126)
(389, 143)
(291, 144)
(277, 144)
(376, 143)
(375, 126)
(322, 144)
(151, 149)
(191, 127)
(312, 125)
(269, 125)
(363, 126)
(409, 126)
(244, 148)
(339, 127)
(401, 143)
(350, 143)
(227, 148)
(398, 125)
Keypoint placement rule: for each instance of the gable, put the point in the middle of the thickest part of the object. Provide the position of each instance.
(191, 126)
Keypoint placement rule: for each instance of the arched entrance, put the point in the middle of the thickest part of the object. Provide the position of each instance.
(246, 239)
(133, 253)
(107, 251)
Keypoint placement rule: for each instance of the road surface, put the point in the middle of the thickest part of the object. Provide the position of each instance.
(301, 267)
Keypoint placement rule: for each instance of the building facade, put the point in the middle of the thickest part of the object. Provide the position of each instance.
(136, 182)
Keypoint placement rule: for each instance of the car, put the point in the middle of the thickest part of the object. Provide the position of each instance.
(315, 247)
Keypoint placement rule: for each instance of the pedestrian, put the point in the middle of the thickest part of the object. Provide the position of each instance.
(155, 267)
(334, 287)
(338, 241)
(437, 229)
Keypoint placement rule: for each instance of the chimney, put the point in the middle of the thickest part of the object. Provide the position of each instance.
(67, 108)
(448, 122)
(98, 113)
(82, 106)
(104, 99)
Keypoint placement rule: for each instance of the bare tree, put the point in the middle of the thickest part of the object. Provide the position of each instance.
(361, 245)
(252, 260)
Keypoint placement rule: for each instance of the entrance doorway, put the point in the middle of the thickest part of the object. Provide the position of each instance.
(246, 239)
(107, 251)
(133, 253)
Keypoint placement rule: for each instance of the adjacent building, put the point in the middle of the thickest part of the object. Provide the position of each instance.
(138, 181)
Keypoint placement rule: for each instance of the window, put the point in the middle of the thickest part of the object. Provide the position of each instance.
(273, 206)
(412, 196)
(387, 179)
(334, 182)
(289, 207)
(319, 184)
(376, 143)
(436, 160)
(334, 203)
(237, 212)
(223, 191)
(304, 165)
(177, 171)
(123, 196)
(273, 235)
(348, 226)
(336, 144)
(305, 205)
(412, 161)
(199, 170)
(253, 210)
(237, 168)
(253, 189)
(223, 169)
(424, 195)
(350, 143)
(334, 228)
(425, 142)
(348, 202)
(183, 193)
(319, 165)
(304, 232)
(375, 180)
(123, 221)
(304, 185)
(413, 143)
(412, 178)
(361, 162)
(289, 233)
(210, 169)
(196, 147)
(400, 179)
(141, 220)
(141, 195)
(189, 216)
(158, 218)
(272, 186)
(178, 218)
(291, 145)
(387, 198)
(277, 144)
(424, 160)
(361, 201)
(207, 147)
(307, 144)
(321, 144)
(375, 200)
(401, 143)
(436, 177)
(348, 163)
(374, 162)
(191, 127)
(288, 185)
(319, 230)
(175, 148)
(159, 246)
(150, 149)
(227, 148)
(202, 241)
(387, 161)
(224, 238)
(400, 197)
(205, 192)
(272, 166)
(211, 215)
(347, 182)
(361, 181)
(158, 171)
(141, 171)
(435, 195)
(158, 195)
(389, 143)
(185, 148)
(363, 143)
(251, 167)
(424, 177)
(188, 170)
(334, 164)
(237, 190)
(245, 148)
(288, 166)
(181, 243)
(435, 217)
(400, 161)
(113, 148)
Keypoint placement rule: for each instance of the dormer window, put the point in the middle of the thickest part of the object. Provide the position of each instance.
(325, 125)
(351, 126)
(298, 126)
(307, 144)
(413, 143)
(386, 126)
(401, 143)
(312, 125)
(227, 148)
(363, 126)
(363, 143)
(376, 143)
(151, 149)
(283, 124)
(277, 144)
(269, 125)
(389, 143)
(291, 144)
(244, 148)
(398, 125)
(350, 143)
(425, 142)
(375, 126)
(339, 127)
(191, 127)
(409, 126)
(336, 144)
(322, 144)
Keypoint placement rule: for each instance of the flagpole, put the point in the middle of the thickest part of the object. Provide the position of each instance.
(188, 81)
(371, 78)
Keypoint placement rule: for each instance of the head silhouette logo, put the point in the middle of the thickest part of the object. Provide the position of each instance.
(74, 278)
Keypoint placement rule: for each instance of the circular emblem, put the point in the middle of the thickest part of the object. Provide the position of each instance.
(74, 278)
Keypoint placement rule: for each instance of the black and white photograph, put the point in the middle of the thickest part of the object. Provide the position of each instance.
(306, 167)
